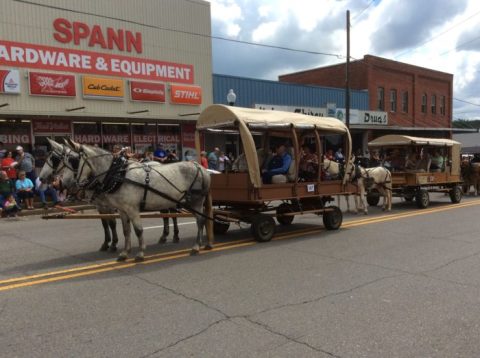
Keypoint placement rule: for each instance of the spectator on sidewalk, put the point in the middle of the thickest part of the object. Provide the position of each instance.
(45, 189)
(8, 165)
(5, 187)
(61, 191)
(25, 190)
(40, 156)
(10, 206)
(26, 163)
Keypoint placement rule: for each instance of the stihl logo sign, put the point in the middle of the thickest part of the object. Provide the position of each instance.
(185, 94)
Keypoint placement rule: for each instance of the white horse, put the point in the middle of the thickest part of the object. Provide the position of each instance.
(63, 161)
(145, 186)
(377, 178)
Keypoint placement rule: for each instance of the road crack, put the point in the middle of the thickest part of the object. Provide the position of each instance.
(288, 338)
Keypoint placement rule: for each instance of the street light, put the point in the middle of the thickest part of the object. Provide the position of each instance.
(231, 97)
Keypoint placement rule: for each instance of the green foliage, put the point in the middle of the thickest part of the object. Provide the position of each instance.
(464, 123)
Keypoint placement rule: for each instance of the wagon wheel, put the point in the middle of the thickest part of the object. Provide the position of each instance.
(282, 209)
(422, 199)
(373, 197)
(263, 227)
(333, 219)
(220, 227)
(456, 194)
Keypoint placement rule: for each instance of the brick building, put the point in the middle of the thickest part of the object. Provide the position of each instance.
(418, 100)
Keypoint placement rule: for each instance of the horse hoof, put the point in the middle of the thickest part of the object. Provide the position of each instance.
(112, 249)
(208, 247)
(176, 239)
(162, 240)
(104, 247)
(139, 258)
(193, 252)
(121, 258)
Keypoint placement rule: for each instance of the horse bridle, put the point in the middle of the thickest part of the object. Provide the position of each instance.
(93, 180)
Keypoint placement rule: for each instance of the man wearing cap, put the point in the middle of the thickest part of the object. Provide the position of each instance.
(26, 162)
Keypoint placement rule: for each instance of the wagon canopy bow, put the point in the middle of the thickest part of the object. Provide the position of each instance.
(395, 139)
(245, 119)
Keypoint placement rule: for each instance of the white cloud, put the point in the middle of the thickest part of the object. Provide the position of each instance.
(424, 33)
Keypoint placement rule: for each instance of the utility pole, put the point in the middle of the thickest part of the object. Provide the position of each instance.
(347, 75)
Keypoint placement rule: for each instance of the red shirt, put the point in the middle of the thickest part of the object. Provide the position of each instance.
(11, 172)
(204, 162)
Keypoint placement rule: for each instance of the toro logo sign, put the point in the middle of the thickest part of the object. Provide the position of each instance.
(147, 91)
(180, 94)
(51, 84)
(103, 88)
(9, 81)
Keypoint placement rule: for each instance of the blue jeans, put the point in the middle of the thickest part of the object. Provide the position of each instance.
(49, 191)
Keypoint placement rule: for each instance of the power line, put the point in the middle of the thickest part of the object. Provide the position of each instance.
(339, 56)
(361, 12)
(457, 47)
(467, 102)
(438, 35)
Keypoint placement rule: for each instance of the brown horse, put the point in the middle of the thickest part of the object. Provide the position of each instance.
(471, 176)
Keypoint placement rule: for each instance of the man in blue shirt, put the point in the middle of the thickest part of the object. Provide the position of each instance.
(279, 164)
(160, 155)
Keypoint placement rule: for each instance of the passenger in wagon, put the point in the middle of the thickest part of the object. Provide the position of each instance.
(279, 164)
(308, 164)
(437, 161)
(411, 162)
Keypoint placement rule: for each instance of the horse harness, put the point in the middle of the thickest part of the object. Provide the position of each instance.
(115, 176)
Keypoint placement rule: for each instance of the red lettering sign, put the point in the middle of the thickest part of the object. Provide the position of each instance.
(168, 138)
(57, 126)
(147, 91)
(51, 84)
(122, 40)
(88, 138)
(17, 54)
(15, 138)
(185, 94)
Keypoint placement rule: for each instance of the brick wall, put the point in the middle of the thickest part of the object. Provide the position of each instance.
(373, 72)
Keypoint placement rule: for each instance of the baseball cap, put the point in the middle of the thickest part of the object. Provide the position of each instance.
(19, 147)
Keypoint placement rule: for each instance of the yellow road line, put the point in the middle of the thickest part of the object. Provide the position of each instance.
(172, 255)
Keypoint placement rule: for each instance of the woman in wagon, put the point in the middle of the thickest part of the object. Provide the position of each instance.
(412, 161)
(279, 164)
(437, 161)
(308, 164)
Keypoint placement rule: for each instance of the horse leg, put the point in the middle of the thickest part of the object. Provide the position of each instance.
(107, 237)
(363, 199)
(137, 226)
(176, 239)
(112, 223)
(166, 231)
(126, 233)
(198, 241)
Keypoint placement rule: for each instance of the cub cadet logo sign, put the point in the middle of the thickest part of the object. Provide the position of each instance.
(185, 94)
(103, 88)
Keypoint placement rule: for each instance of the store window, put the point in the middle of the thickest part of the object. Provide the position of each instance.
(433, 104)
(15, 132)
(424, 103)
(380, 98)
(405, 102)
(393, 100)
(87, 133)
(442, 105)
(115, 133)
(144, 137)
(169, 137)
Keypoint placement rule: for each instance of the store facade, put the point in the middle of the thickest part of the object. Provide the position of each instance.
(137, 73)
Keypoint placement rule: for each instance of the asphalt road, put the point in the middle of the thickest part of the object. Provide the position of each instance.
(401, 284)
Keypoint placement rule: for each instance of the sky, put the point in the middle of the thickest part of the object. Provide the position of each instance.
(438, 34)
